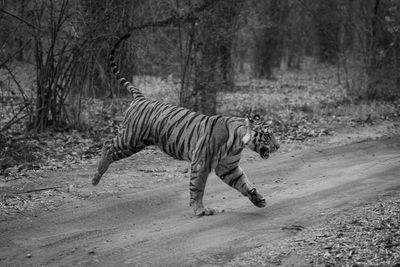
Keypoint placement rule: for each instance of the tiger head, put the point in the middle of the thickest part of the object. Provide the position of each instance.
(260, 137)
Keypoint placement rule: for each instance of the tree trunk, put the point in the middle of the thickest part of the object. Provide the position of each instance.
(207, 81)
(358, 55)
(271, 47)
(212, 55)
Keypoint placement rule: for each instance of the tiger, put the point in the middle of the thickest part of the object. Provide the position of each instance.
(207, 142)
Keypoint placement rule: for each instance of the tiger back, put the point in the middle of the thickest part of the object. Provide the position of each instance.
(207, 142)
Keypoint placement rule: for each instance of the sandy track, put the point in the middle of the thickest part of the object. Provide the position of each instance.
(156, 227)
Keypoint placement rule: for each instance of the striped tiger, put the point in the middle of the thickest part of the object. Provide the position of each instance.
(207, 142)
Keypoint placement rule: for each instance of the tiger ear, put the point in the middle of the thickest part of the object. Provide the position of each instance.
(255, 118)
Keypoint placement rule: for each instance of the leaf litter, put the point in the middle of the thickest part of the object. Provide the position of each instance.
(366, 235)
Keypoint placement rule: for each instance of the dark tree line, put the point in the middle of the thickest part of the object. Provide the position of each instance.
(206, 44)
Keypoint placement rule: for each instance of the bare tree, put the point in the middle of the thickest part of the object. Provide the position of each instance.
(214, 35)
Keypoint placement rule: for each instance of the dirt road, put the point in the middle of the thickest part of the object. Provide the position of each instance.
(156, 226)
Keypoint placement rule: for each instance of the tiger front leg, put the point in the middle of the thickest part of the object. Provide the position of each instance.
(234, 176)
(198, 179)
(257, 199)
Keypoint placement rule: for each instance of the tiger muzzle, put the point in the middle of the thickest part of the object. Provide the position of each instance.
(264, 152)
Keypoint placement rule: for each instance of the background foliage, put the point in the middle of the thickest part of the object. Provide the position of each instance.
(315, 69)
(300, 63)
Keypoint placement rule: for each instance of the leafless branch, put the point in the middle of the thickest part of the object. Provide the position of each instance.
(20, 19)
(10, 57)
(176, 19)
(15, 118)
(22, 92)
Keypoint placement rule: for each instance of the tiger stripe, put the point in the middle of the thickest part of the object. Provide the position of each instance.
(207, 142)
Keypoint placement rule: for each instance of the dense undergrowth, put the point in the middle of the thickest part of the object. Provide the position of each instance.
(301, 105)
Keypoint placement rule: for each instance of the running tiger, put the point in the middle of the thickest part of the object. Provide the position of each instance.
(207, 142)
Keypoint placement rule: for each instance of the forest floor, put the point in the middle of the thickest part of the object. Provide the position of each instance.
(333, 200)
(332, 189)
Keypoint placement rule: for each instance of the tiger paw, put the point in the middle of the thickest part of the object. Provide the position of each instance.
(257, 199)
(205, 212)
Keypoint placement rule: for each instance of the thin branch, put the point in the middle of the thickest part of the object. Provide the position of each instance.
(20, 19)
(40, 189)
(175, 20)
(15, 118)
(10, 57)
(22, 92)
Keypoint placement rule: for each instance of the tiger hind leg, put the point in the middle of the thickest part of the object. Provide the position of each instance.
(105, 161)
(112, 151)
